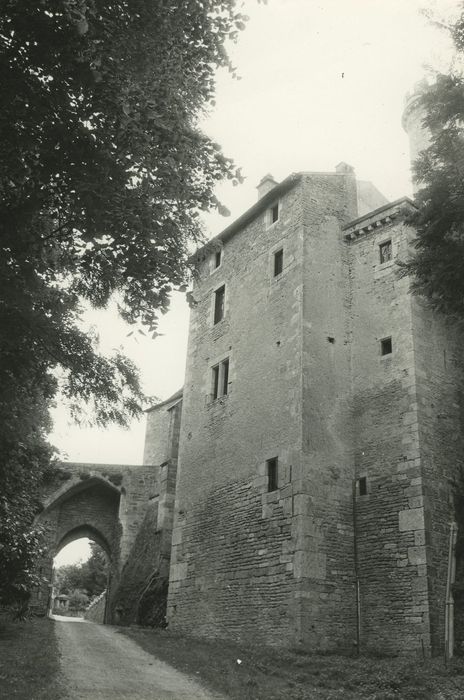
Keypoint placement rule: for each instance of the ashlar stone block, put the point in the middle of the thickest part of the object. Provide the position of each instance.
(417, 555)
(411, 519)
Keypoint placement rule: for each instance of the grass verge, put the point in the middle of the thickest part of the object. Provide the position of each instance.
(269, 674)
(29, 660)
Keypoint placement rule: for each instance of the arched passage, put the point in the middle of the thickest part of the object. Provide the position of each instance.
(83, 507)
(81, 570)
(85, 531)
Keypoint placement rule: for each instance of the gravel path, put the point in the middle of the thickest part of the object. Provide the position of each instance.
(98, 663)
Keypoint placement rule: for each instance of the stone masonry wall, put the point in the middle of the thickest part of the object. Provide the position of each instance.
(232, 566)
(439, 369)
(323, 531)
(390, 517)
(247, 562)
(96, 610)
(160, 440)
(104, 502)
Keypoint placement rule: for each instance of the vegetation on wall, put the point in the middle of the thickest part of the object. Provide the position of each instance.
(141, 594)
(103, 175)
(438, 264)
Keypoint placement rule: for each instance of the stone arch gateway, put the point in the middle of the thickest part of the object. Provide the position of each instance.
(104, 502)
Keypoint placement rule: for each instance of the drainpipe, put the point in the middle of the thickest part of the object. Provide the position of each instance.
(356, 571)
(449, 600)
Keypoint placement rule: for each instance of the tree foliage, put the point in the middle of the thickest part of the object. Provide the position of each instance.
(78, 600)
(90, 576)
(438, 264)
(103, 176)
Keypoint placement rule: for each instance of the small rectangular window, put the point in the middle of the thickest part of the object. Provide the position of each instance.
(362, 486)
(272, 474)
(385, 251)
(278, 262)
(219, 296)
(217, 258)
(274, 213)
(220, 379)
(386, 346)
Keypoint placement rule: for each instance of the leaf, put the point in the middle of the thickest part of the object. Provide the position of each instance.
(223, 211)
(82, 26)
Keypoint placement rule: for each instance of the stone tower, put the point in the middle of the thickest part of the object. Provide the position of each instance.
(413, 118)
(321, 436)
(320, 433)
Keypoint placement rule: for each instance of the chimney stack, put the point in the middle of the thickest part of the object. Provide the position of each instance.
(344, 168)
(267, 183)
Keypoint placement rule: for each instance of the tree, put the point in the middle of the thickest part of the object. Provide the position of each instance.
(78, 600)
(437, 266)
(103, 176)
(90, 576)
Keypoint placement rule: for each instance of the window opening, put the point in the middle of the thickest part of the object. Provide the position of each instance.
(385, 250)
(225, 376)
(272, 474)
(219, 296)
(274, 213)
(278, 262)
(215, 382)
(386, 346)
(220, 379)
(362, 486)
(217, 258)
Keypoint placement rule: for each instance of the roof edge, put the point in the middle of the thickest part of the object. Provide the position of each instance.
(379, 210)
(263, 203)
(175, 398)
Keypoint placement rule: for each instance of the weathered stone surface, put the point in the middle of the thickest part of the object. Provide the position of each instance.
(411, 519)
(308, 384)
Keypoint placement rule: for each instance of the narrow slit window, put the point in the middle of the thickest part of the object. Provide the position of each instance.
(225, 376)
(278, 262)
(219, 296)
(362, 486)
(220, 379)
(386, 346)
(272, 474)
(274, 213)
(385, 251)
(215, 382)
(217, 258)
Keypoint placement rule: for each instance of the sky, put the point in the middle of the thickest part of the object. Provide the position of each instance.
(320, 82)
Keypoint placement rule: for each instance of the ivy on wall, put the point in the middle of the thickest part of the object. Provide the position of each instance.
(141, 594)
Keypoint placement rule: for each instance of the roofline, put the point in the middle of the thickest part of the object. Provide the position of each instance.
(379, 210)
(175, 398)
(263, 203)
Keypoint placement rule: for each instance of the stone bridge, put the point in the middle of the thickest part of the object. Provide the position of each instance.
(114, 505)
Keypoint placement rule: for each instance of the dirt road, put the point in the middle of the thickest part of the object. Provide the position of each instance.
(99, 663)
